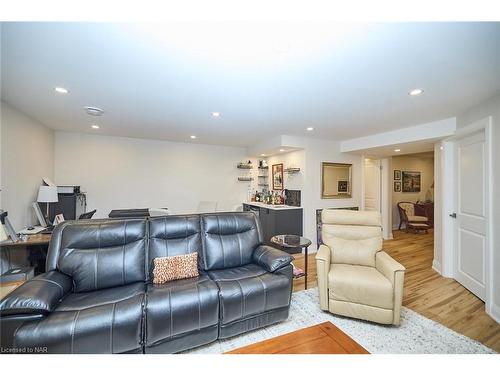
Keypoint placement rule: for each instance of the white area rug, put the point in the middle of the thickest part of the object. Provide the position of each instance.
(416, 334)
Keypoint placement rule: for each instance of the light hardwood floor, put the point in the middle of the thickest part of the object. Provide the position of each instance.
(426, 292)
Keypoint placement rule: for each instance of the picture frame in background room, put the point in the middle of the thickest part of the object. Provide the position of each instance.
(397, 174)
(411, 182)
(277, 173)
(397, 186)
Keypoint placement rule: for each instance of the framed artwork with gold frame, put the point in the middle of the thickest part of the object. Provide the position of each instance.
(277, 175)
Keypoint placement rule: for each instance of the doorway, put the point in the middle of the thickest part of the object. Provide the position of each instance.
(372, 188)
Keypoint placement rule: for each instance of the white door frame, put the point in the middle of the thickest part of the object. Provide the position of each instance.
(449, 203)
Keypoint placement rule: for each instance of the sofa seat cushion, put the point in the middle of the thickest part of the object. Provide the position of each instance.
(360, 284)
(417, 219)
(80, 301)
(104, 321)
(179, 307)
(249, 290)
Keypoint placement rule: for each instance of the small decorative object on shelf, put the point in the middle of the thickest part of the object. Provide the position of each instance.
(292, 170)
(247, 165)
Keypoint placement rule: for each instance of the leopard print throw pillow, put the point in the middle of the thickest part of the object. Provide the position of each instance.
(175, 268)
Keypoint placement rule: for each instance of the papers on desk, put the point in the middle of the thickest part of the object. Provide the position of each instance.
(35, 230)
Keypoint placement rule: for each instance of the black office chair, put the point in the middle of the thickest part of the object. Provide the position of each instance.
(87, 215)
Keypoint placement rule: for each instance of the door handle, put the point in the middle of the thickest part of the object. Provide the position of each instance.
(453, 215)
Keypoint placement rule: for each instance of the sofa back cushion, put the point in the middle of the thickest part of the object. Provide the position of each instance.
(354, 237)
(99, 254)
(229, 239)
(170, 236)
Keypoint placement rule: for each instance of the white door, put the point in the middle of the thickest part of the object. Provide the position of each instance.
(372, 185)
(471, 213)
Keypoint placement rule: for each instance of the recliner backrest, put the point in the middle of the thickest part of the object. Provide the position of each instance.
(173, 235)
(354, 237)
(229, 239)
(99, 254)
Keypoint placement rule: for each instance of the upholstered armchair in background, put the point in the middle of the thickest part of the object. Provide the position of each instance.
(409, 217)
(355, 277)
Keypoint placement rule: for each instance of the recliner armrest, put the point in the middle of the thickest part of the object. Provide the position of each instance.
(387, 266)
(271, 259)
(323, 260)
(39, 295)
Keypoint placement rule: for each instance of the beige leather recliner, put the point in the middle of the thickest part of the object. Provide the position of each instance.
(355, 277)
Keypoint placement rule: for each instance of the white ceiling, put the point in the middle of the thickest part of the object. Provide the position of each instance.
(164, 81)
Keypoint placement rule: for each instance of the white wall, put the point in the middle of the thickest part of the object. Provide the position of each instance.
(118, 172)
(27, 155)
(413, 163)
(490, 107)
(308, 180)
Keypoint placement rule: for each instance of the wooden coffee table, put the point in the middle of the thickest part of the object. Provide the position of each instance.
(324, 338)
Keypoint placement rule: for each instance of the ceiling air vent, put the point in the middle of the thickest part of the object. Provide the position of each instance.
(93, 111)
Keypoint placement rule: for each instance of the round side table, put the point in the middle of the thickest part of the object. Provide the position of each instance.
(292, 241)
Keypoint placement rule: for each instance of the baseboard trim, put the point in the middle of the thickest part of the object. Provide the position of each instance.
(436, 266)
(495, 312)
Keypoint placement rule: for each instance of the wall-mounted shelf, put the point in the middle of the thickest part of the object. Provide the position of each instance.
(292, 170)
(263, 184)
(264, 167)
(245, 178)
(244, 166)
(263, 176)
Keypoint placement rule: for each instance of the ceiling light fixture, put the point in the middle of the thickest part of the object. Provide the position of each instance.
(61, 90)
(397, 150)
(215, 114)
(193, 136)
(416, 92)
(95, 126)
(310, 129)
(282, 150)
(262, 154)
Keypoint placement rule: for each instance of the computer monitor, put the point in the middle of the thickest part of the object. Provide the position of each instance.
(39, 214)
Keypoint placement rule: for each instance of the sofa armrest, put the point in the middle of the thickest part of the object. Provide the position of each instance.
(39, 295)
(322, 268)
(395, 272)
(271, 259)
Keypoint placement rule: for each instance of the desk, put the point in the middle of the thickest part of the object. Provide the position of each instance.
(36, 246)
(33, 239)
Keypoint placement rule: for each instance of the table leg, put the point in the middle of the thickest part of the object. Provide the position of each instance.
(306, 254)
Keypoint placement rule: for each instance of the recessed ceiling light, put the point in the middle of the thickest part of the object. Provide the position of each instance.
(215, 114)
(262, 154)
(310, 128)
(61, 90)
(282, 150)
(397, 150)
(416, 92)
(95, 126)
(193, 136)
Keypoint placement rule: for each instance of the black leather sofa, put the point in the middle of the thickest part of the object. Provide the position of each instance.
(97, 295)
